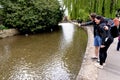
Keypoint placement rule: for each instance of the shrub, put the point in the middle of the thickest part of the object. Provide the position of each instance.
(31, 15)
(2, 27)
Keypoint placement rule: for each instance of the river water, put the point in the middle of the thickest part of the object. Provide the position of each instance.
(48, 56)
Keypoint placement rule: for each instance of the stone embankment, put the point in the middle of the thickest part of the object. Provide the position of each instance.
(88, 71)
(8, 32)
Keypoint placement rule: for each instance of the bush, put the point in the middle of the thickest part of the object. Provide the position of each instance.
(31, 15)
(2, 27)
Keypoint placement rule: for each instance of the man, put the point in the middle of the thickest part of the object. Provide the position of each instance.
(97, 39)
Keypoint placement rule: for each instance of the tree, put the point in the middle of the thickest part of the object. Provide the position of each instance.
(31, 15)
(106, 8)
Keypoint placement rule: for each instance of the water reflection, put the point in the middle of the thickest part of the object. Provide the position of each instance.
(68, 32)
(67, 35)
(4, 53)
(23, 71)
(48, 56)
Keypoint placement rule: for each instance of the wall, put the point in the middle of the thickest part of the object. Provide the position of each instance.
(8, 32)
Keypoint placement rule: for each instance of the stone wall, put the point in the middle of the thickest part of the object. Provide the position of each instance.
(88, 70)
(8, 32)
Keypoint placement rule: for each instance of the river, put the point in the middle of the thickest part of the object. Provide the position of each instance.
(55, 55)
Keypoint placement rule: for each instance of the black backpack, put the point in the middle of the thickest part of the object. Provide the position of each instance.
(113, 29)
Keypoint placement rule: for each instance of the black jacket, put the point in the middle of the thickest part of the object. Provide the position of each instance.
(94, 26)
(104, 34)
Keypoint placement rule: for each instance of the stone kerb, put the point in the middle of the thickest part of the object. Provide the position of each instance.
(88, 71)
(8, 32)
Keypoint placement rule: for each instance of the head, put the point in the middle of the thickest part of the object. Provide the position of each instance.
(98, 19)
(92, 16)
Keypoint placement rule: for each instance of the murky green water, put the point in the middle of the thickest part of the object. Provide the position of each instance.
(49, 56)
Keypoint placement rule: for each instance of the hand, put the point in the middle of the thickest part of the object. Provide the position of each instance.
(102, 46)
(79, 24)
(75, 23)
(106, 27)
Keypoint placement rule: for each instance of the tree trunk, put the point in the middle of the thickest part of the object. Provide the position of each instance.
(103, 8)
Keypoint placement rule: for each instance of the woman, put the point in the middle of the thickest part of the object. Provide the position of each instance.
(107, 39)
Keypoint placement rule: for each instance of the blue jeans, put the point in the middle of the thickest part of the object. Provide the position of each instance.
(97, 41)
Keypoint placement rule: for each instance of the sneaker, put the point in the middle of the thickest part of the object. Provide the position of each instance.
(104, 64)
(98, 65)
(98, 61)
(94, 58)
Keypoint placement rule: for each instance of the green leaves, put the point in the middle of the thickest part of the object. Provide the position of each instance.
(31, 15)
(80, 9)
(2, 27)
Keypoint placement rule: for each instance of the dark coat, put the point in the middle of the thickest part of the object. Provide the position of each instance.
(104, 34)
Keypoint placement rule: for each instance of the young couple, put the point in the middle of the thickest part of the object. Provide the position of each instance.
(102, 38)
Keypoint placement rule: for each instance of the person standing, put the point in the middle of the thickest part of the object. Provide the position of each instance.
(97, 39)
(106, 37)
(117, 25)
(115, 29)
(116, 21)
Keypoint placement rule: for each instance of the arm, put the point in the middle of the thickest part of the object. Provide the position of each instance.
(104, 31)
(84, 24)
(87, 23)
(104, 37)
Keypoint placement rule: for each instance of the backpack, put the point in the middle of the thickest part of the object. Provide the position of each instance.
(113, 29)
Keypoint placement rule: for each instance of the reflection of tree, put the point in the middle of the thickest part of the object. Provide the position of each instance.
(74, 53)
(5, 53)
(4, 58)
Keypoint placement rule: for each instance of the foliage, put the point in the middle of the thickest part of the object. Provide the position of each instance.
(80, 8)
(0, 11)
(31, 15)
(2, 27)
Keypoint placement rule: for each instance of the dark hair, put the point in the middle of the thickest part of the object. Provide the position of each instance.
(100, 18)
(93, 15)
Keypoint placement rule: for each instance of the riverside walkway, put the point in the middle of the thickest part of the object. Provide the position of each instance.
(112, 69)
(89, 71)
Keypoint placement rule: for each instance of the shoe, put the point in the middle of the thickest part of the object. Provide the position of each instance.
(98, 61)
(98, 65)
(94, 58)
(104, 64)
